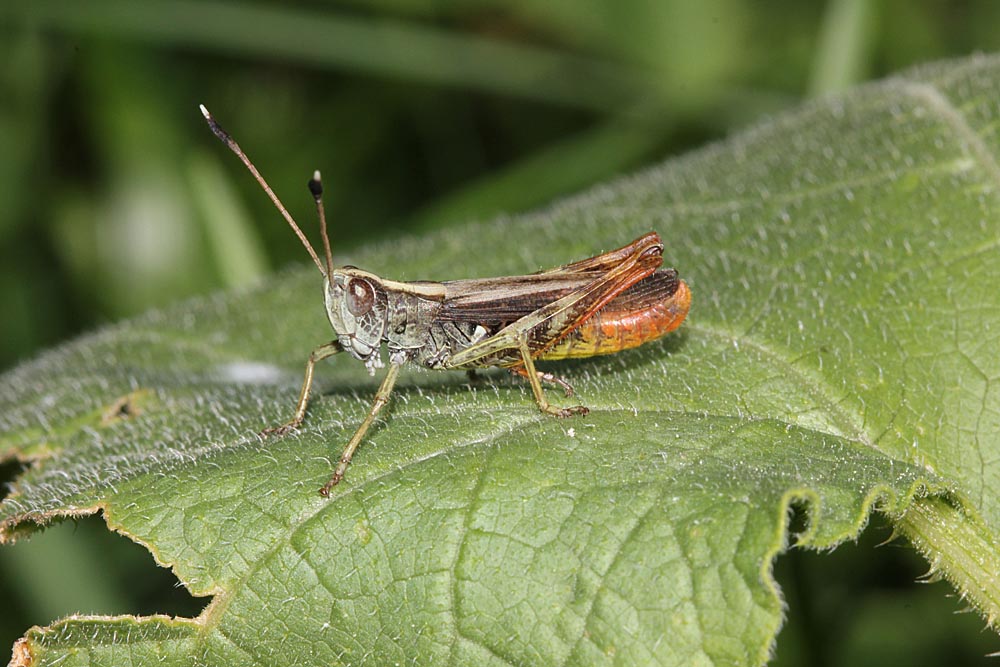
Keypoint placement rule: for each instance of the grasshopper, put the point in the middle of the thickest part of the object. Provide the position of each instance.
(601, 305)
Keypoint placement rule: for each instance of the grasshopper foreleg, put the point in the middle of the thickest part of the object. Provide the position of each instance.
(320, 353)
(535, 380)
(381, 398)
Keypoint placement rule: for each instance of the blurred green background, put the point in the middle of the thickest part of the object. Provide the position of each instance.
(115, 197)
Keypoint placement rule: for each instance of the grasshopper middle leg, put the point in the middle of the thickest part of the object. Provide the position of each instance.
(381, 398)
(548, 378)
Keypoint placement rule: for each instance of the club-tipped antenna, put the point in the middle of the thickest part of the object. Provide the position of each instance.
(316, 188)
(235, 148)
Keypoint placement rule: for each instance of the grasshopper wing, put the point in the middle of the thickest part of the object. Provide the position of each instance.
(609, 260)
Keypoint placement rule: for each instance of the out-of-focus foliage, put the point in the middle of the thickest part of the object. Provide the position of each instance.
(114, 197)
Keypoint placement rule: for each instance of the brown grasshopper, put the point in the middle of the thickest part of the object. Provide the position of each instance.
(601, 305)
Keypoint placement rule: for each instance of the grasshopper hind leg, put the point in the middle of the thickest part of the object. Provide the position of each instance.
(535, 379)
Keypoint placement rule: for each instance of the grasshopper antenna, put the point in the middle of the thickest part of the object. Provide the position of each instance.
(316, 188)
(235, 148)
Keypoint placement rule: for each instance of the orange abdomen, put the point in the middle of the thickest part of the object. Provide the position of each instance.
(624, 323)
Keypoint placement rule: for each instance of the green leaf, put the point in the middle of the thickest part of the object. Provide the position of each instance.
(840, 357)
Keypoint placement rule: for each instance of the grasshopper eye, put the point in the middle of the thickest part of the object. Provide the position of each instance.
(360, 297)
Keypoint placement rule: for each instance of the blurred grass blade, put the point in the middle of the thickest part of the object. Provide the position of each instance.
(845, 48)
(385, 47)
(555, 171)
(237, 250)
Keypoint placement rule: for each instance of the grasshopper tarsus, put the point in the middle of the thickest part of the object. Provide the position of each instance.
(279, 431)
(566, 412)
(335, 478)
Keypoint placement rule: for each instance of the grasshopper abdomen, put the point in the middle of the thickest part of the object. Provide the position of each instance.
(648, 310)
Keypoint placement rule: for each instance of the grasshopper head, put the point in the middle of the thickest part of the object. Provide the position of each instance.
(356, 305)
(355, 299)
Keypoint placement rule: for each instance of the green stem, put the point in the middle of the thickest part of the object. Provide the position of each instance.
(960, 549)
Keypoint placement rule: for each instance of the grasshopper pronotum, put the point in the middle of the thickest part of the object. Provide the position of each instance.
(604, 304)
